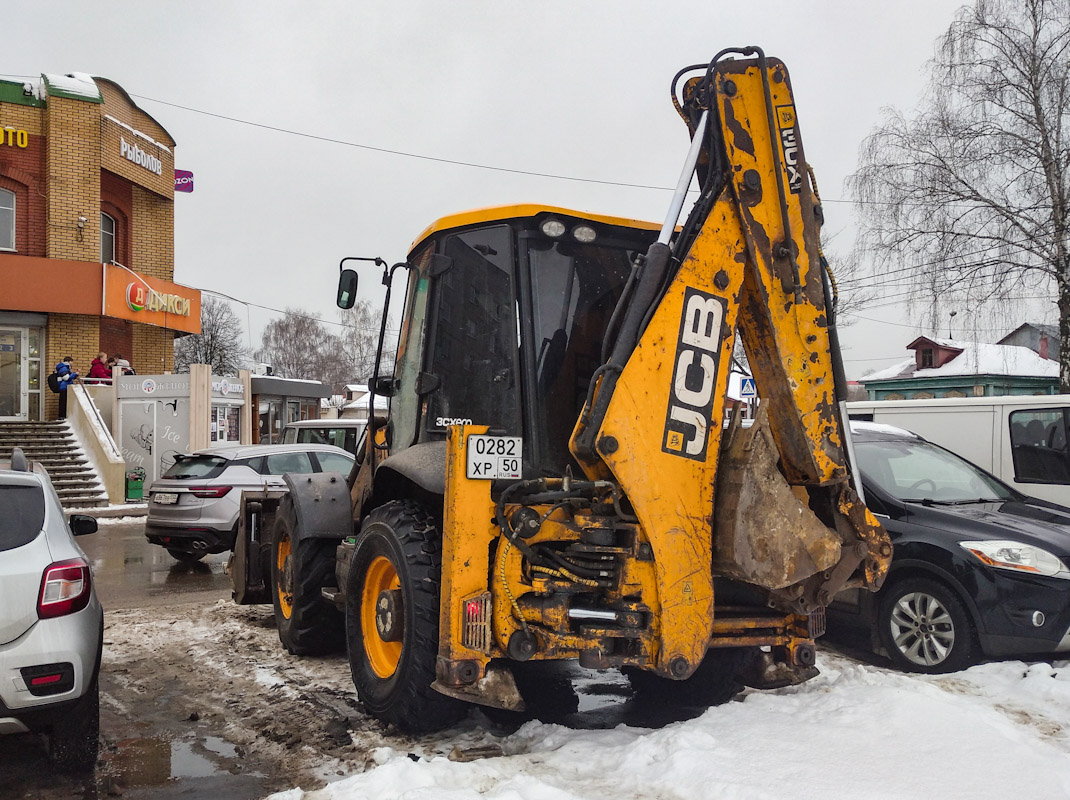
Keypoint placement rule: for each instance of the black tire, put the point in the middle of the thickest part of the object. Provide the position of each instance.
(925, 627)
(398, 691)
(75, 741)
(307, 624)
(184, 556)
(716, 680)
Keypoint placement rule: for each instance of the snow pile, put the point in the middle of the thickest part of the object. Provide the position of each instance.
(856, 731)
(76, 83)
(137, 133)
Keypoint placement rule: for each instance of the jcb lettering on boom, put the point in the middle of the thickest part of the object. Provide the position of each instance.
(695, 376)
(785, 116)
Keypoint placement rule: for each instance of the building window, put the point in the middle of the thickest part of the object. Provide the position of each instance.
(926, 358)
(7, 220)
(107, 239)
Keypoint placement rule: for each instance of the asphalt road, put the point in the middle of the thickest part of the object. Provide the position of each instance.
(131, 573)
(148, 750)
(165, 710)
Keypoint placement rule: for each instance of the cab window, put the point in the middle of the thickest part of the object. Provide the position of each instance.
(474, 352)
(1039, 446)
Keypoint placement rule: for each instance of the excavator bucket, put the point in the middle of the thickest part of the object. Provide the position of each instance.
(764, 533)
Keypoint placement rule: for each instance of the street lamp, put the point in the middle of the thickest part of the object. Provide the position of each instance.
(951, 318)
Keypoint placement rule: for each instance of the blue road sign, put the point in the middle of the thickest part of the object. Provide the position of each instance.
(746, 388)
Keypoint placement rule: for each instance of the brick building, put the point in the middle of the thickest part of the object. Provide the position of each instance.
(86, 237)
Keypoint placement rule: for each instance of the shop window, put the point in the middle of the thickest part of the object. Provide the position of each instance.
(107, 238)
(7, 220)
(1039, 445)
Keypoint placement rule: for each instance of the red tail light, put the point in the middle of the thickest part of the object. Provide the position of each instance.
(65, 588)
(209, 491)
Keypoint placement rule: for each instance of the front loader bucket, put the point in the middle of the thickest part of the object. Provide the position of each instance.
(764, 533)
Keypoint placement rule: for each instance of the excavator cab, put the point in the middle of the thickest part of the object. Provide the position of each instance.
(505, 319)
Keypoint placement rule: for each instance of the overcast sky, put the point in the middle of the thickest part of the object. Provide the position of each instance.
(575, 89)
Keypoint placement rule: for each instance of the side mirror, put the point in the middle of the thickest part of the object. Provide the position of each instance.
(82, 524)
(347, 288)
(384, 386)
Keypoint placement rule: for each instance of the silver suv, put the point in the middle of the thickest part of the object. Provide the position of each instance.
(51, 624)
(193, 508)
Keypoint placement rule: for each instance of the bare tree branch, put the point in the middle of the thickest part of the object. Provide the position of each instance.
(969, 199)
(218, 344)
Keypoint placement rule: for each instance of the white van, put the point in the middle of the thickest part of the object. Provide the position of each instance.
(1019, 438)
(344, 433)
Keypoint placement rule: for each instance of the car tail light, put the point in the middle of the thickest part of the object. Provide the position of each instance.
(65, 588)
(209, 491)
(45, 679)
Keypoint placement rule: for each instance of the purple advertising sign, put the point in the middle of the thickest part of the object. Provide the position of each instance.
(183, 180)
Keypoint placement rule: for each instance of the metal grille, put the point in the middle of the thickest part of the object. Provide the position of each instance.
(817, 623)
(475, 612)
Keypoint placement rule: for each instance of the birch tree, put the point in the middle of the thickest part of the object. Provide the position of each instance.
(968, 198)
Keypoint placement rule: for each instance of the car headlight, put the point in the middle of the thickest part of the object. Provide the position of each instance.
(1017, 557)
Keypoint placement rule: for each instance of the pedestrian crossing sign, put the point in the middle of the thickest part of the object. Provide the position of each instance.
(746, 388)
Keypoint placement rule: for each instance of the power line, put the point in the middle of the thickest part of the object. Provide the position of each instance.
(458, 162)
(290, 312)
(403, 153)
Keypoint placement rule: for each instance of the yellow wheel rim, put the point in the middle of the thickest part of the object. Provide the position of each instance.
(283, 586)
(382, 655)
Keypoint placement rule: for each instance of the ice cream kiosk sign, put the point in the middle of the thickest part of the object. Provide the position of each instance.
(128, 295)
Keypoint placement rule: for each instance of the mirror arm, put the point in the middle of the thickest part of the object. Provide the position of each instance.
(388, 281)
(378, 261)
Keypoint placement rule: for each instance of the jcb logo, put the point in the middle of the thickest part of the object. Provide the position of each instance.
(694, 379)
(789, 142)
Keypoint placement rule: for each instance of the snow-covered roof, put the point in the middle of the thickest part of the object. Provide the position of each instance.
(976, 358)
(381, 403)
(78, 84)
(356, 387)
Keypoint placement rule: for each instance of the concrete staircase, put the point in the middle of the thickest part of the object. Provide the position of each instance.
(55, 446)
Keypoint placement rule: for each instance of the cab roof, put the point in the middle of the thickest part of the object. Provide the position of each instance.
(495, 213)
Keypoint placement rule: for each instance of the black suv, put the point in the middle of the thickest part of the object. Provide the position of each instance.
(979, 569)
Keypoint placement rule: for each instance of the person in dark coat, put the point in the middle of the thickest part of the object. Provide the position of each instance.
(67, 376)
(101, 369)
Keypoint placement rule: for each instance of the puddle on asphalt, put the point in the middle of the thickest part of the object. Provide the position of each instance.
(187, 764)
(220, 746)
(152, 762)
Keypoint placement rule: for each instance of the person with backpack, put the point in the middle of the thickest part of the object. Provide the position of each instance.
(65, 375)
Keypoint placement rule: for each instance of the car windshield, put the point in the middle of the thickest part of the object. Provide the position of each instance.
(24, 515)
(915, 470)
(196, 467)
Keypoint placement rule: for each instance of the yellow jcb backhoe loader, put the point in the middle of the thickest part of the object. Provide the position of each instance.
(554, 479)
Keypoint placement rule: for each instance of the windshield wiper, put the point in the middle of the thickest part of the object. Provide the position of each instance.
(928, 501)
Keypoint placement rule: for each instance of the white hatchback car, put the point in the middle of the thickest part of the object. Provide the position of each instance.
(193, 508)
(51, 624)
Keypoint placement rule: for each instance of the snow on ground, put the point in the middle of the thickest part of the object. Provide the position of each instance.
(857, 731)
(998, 730)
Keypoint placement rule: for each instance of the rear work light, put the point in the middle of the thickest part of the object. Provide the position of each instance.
(209, 491)
(65, 588)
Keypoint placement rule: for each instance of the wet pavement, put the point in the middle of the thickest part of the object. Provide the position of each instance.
(147, 752)
(199, 700)
(131, 573)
